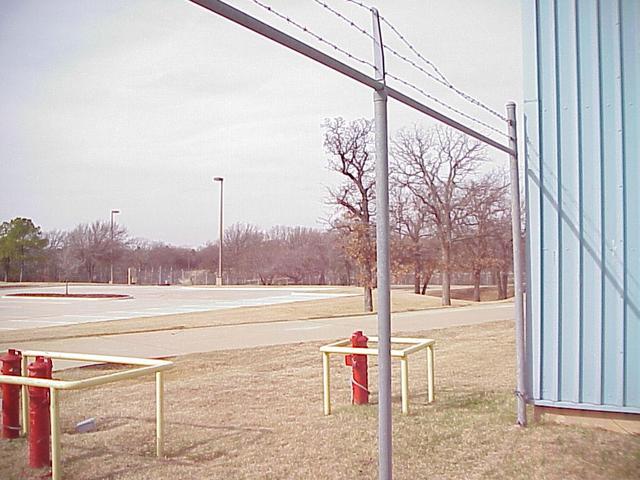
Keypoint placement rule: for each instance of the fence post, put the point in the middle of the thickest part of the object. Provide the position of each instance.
(517, 266)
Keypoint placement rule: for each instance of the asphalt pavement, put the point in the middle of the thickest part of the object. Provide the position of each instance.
(168, 343)
(145, 301)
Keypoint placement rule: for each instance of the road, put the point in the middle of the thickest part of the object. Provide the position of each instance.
(147, 301)
(207, 339)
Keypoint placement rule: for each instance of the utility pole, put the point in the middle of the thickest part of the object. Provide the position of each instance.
(385, 457)
(113, 212)
(516, 232)
(219, 278)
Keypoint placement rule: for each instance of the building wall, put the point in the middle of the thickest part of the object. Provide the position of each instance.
(582, 164)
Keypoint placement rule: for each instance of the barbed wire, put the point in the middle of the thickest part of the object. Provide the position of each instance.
(391, 50)
(446, 105)
(343, 18)
(441, 78)
(367, 63)
(313, 34)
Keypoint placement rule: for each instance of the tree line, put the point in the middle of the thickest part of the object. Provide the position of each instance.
(449, 207)
(449, 213)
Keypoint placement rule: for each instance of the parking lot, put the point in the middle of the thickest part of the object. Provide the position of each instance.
(146, 301)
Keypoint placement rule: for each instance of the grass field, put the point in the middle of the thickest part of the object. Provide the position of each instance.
(248, 414)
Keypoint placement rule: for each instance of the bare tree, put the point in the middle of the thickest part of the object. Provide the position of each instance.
(349, 145)
(91, 245)
(434, 165)
(412, 225)
(483, 225)
(242, 244)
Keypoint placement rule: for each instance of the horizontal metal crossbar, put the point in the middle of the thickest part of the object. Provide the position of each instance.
(247, 21)
(413, 345)
(145, 367)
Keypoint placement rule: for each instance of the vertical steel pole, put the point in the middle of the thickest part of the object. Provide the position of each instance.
(385, 465)
(326, 383)
(219, 277)
(518, 270)
(24, 399)
(54, 409)
(221, 235)
(159, 414)
(111, 253)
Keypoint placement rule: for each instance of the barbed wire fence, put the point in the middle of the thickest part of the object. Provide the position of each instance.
(435, 75)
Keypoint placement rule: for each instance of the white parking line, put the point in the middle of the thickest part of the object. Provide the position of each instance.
(44, 301)
(310, 327)
(38, 321)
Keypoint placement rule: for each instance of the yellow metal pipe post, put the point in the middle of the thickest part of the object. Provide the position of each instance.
(159, 414)
(24, 399)
(56, 474)
(404, 379)
(430, 376)
(326, 383)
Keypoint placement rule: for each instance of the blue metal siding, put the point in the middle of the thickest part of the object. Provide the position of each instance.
(590, 185)
(582, 155)
(532, 196)
(630, 40)
(569, 211)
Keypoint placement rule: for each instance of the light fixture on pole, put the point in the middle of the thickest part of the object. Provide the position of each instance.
(113, 212)
(219, 277)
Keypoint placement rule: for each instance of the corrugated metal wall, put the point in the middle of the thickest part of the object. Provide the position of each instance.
(582, 154)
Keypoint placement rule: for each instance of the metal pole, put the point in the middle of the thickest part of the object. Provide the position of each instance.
(159, 414)
(221, 234)
(111, 253)
(24, 399)
(326, 383)
(54, 409)
(219, 279)
(385, 464)
(113, 212)
(518, 270)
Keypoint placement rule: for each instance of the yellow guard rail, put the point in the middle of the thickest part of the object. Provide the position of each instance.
(144, 367)
(413, 345)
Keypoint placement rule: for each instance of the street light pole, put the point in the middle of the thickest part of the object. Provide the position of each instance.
(113, 212)
(219, 278)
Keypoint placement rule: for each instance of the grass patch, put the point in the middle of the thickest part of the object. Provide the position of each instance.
(258, 414)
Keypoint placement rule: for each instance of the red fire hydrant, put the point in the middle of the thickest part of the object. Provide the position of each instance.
(359, 367)
(39, 418)
(11, 395)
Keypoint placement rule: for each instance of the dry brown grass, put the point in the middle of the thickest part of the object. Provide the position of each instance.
(487, 293)
(401, 301)
(258, 414)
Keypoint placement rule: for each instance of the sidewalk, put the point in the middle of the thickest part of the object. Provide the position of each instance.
(168, 343)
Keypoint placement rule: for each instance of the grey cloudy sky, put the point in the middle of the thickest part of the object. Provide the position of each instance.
(137, 104)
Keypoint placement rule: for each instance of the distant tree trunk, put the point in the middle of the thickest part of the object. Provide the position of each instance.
(347, 267)
(476, 285)
(322, 280)
(504, 279)
(368, 286)
(427, 278)
(21, 270)
(368, 299)
(498, 282)
(416, 270)
(446, 273)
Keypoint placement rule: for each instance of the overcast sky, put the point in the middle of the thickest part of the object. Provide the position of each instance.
(137, 104)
